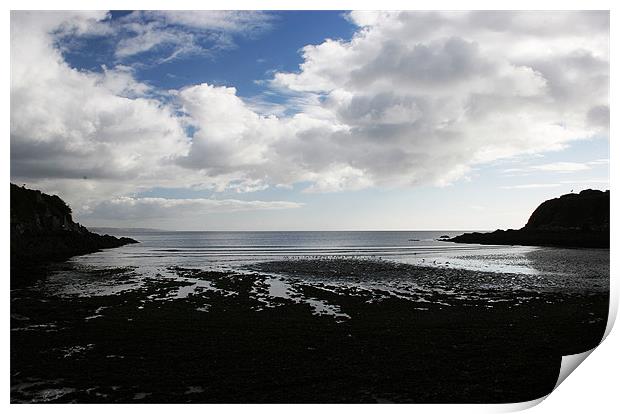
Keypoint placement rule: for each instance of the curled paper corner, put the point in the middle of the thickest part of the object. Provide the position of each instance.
(569, 364)
(520, 406)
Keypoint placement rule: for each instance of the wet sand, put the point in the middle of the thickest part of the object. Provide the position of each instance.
(310, 330)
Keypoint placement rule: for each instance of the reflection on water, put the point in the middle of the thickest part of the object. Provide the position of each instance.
(230, 249)
(373, 261)
(280, 288)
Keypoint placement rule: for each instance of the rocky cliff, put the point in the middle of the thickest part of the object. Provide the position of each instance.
(572, 220)
(42, 229)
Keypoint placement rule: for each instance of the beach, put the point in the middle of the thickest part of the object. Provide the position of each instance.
(307, 329)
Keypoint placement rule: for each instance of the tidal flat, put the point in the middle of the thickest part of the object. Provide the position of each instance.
(326, 330)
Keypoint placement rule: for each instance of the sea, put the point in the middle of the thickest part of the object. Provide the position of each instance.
(215, 249)
(234, 249)
(159, 254)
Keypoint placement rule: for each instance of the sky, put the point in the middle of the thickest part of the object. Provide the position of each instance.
(309, 120)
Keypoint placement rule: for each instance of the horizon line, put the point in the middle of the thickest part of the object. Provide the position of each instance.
(278, 231)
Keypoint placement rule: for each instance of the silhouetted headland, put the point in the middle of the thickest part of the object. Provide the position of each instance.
(572, 220)
(43, 230)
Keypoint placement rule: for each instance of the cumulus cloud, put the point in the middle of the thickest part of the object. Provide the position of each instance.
(68, 124)
(414, 98)
(89, 135)
(234, 141)
(598, 116)
(430, 94)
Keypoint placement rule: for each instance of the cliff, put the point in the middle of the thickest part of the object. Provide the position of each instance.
(572, 220)
(42, 229)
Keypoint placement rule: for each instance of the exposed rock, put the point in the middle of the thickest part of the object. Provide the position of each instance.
(572, 220)
(586, 211)
(42, 230)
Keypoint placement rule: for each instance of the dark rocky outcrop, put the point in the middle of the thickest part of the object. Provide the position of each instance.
(43, 230)
(572, 220)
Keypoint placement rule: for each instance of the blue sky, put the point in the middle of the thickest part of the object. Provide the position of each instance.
(337, 121)
(250, 59)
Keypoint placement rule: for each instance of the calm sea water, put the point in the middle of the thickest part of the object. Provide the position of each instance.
(163, 249)
(217, 249)
(158, 256)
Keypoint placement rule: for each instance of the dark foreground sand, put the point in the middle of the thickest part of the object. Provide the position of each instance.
(300, 331)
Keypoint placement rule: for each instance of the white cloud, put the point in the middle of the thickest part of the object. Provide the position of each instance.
(232, 140)
(129, 208)
(596, 182)
(414, 98)
(186, 32)
(82, 134)
(149, 36)
(71, 124)
(418, 98)
(601, 161)
(232, 21)
(561, 167)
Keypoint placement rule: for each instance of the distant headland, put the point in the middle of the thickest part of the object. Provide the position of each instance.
(572, 220)
(42, 229)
